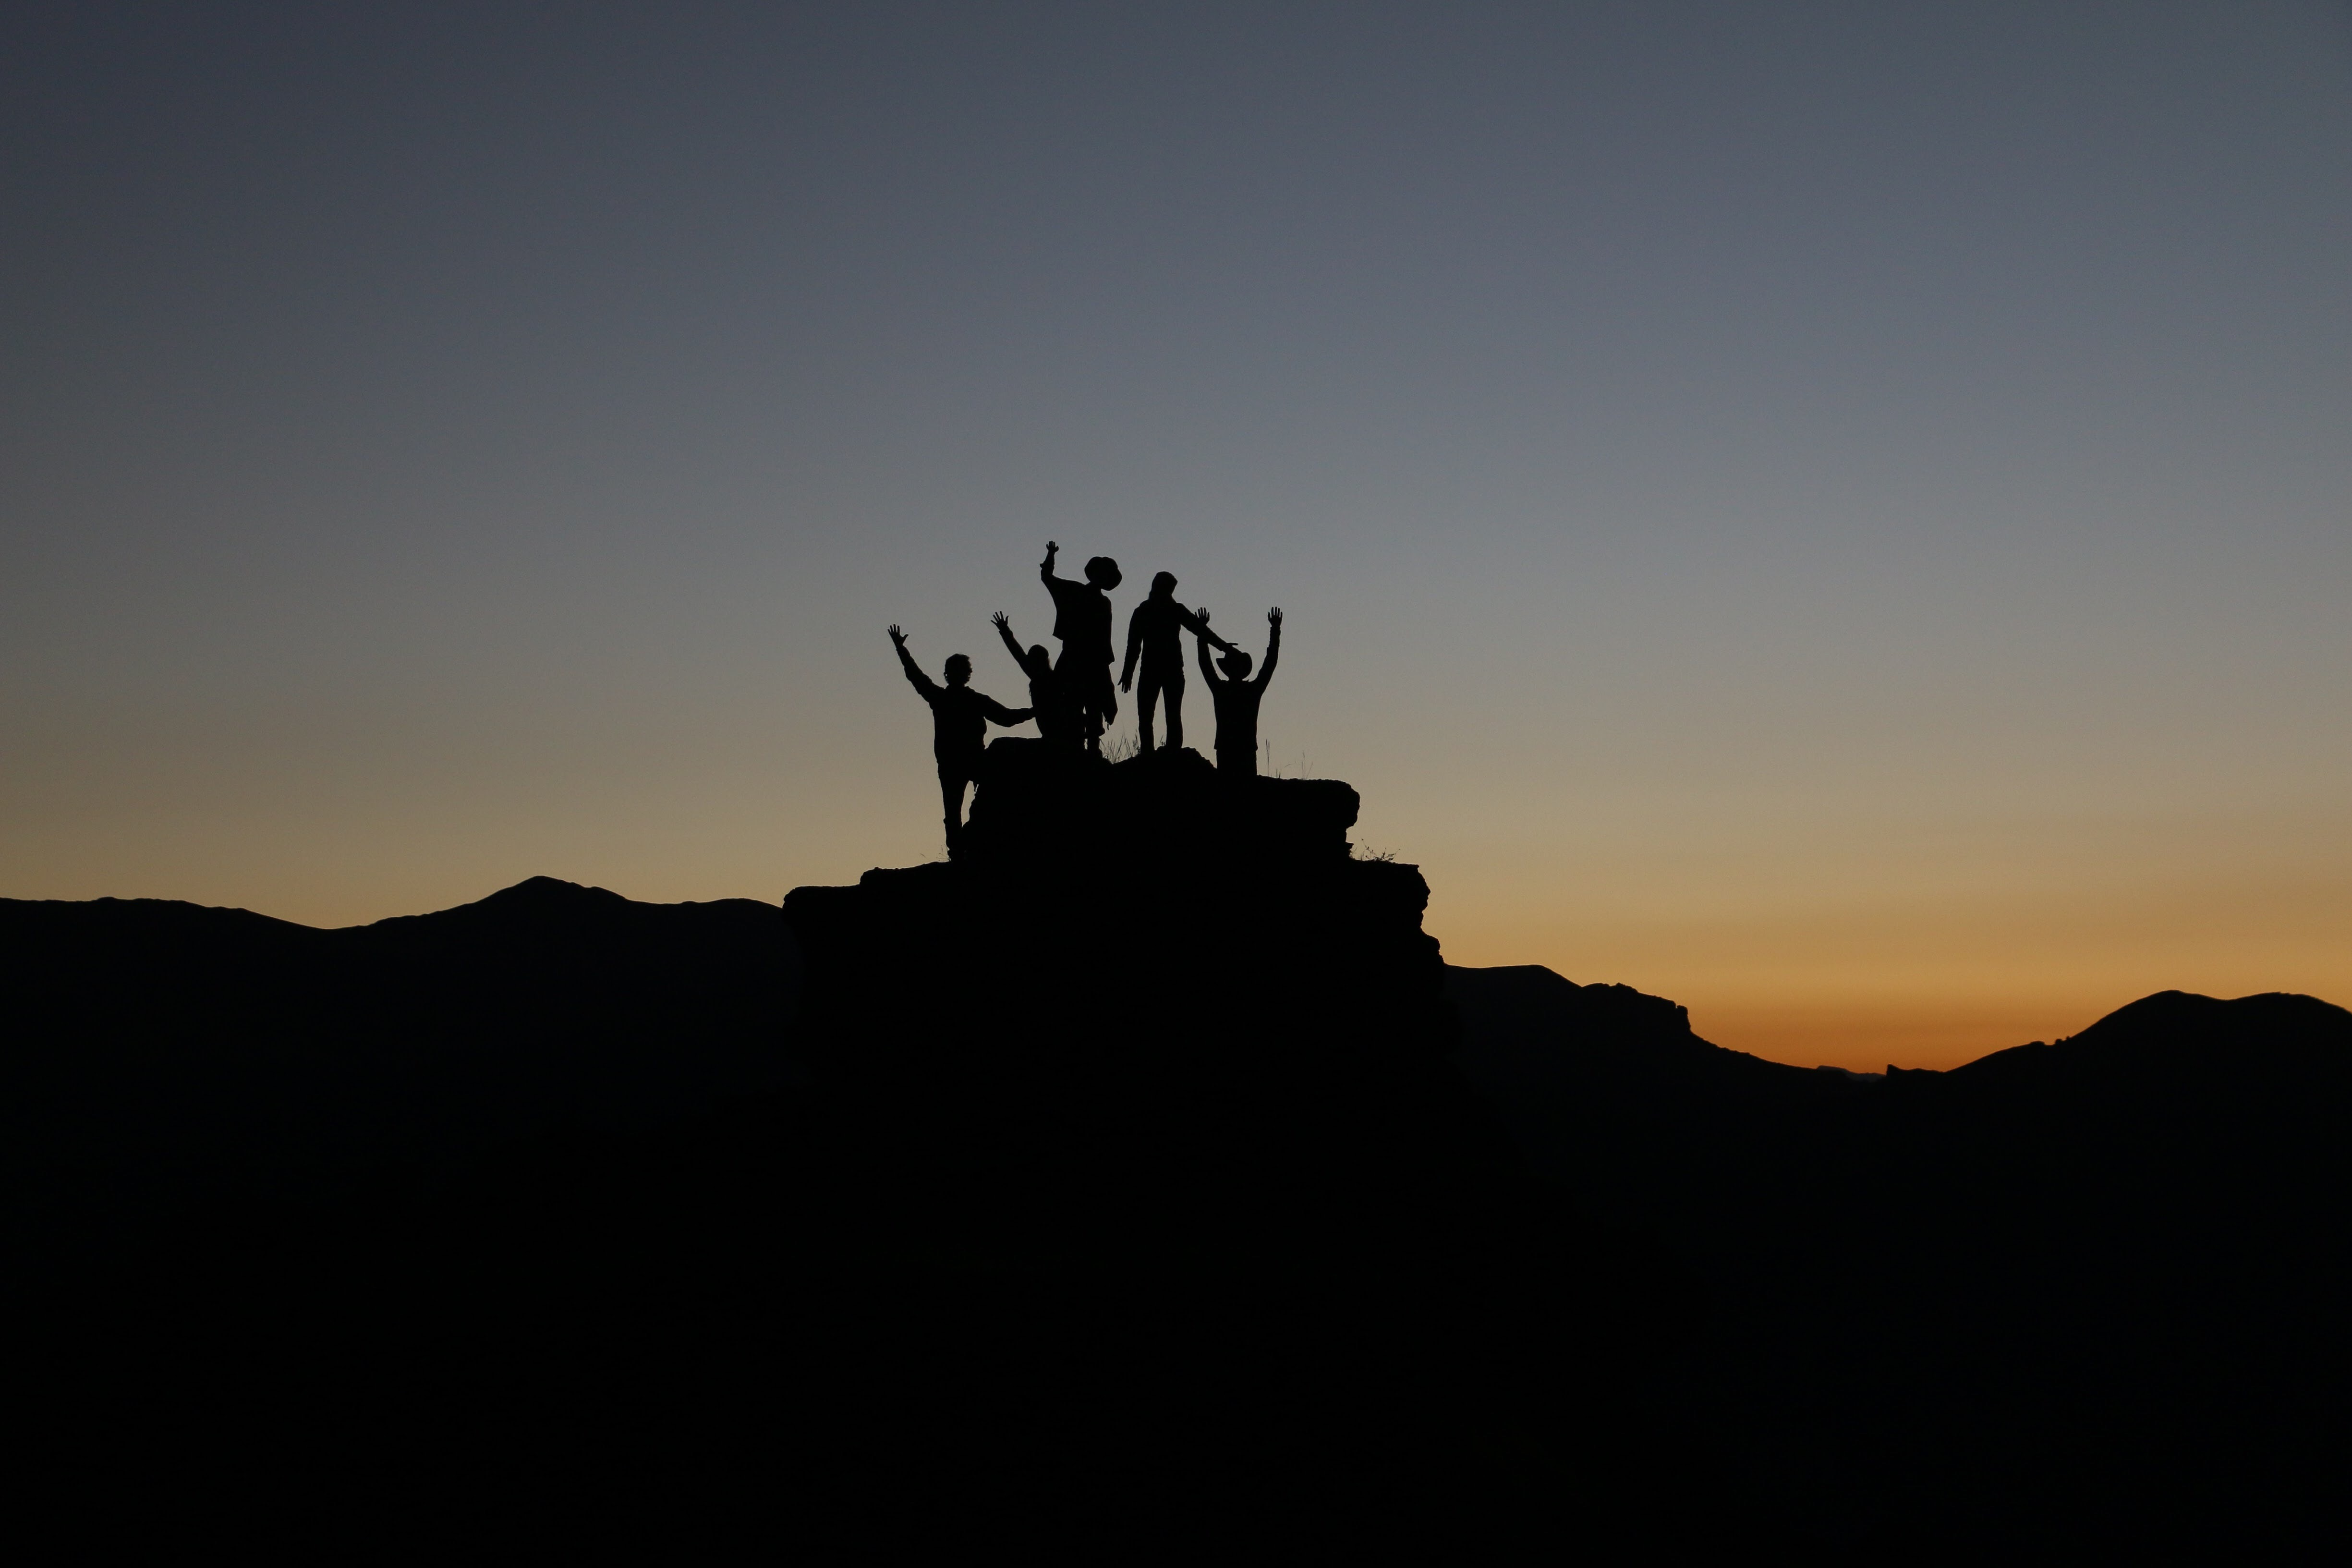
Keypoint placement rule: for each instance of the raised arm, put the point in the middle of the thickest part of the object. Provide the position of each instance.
(1273, 646)
(1208, 670)
(922, 683)
(1045, 567)
(1197, 622)
(1012, 644)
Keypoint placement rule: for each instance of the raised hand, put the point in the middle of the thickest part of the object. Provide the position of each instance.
(1000, 621)
(1274, 616)
(897, 636)
(1201, 614)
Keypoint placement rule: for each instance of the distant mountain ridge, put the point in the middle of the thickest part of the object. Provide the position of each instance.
(2023, 1298)
(159, 1048)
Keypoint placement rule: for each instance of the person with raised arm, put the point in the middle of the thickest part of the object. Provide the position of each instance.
(1151, 636)
(1236, 697)
(1082, 621)
(1049, 700)
(960, 721)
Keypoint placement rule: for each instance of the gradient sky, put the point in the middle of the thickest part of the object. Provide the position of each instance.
(1841, 515)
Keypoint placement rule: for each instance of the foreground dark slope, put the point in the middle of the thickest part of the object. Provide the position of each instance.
(1143, 1175)
(1092, 1222)
(2093, 1289)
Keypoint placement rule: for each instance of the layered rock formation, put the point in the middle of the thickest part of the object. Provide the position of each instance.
(1176, 1066)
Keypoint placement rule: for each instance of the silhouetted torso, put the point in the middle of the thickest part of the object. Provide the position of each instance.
(1237, 704)
(1059, 719)
(1151, 634)
(1082, 622)
(959, 719)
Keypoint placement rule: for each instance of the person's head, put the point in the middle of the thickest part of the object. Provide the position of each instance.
(959, 670)
(1163, 584)
(1038, 664)
(1103, 573)
(1236, 665)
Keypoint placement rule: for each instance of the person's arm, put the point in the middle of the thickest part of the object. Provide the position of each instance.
(1273, 646)
(1134, 648)
(1008, 717)
(921, 682)
(1208, 670)
(1198, 625)
(1012, 644)
(1045, 567)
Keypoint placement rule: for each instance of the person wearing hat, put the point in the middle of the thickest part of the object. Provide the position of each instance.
(1237, 698)
(1082, 620)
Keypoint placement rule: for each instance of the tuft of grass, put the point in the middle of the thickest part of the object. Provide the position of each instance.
(1269, 768)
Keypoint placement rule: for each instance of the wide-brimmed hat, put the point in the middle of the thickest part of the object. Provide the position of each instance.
(1103, 573)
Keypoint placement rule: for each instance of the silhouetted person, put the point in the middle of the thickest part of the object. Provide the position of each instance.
(1082, 620)
(1236, 698)
(1151, 636)
(959, 718)
(1049, 696)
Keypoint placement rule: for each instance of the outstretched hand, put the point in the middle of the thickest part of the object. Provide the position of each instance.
(1000, 621)
(897, 635)
(1274, 616)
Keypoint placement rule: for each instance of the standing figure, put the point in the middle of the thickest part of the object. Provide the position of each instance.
(1151, 636)
(1236, 698)
(1049, 700)
(959, 719)
(1082, 620)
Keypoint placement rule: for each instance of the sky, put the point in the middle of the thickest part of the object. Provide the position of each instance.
(1837, 515)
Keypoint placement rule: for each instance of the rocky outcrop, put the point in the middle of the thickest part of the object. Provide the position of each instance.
(1157, 1043)
(1125, 910)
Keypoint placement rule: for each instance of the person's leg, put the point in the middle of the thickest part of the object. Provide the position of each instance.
(1105, 703)
(952, 806)
(1147, 698)
(1173, 689)
(1079, 683)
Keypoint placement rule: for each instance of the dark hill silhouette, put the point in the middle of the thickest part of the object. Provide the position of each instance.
(2090, 1290)
(1143, 1176)
(162, 1052)
(1129, 1198)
